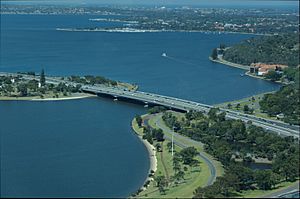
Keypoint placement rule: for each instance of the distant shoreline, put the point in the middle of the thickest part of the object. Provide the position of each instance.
(131, 30)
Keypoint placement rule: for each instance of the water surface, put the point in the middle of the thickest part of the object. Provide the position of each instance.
(86, 147)
(76, 148)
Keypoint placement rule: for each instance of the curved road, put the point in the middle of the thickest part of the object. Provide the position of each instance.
(207, 160)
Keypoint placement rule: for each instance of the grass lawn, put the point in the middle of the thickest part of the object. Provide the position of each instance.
(251, 104)
(194, 177)
(219, 167)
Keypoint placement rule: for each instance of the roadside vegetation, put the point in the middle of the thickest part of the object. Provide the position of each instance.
(285, 103)
(176, 176)
(281, 105)
(237, 144)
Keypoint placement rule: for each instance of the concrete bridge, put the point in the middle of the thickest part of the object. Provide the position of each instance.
(146, 98)
(151, 99)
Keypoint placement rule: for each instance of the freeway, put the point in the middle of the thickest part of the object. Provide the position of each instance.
(186, 105)
(174, 103)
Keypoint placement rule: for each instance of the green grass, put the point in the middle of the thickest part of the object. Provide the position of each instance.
(194, 177)
(252, 104)
(219, 167)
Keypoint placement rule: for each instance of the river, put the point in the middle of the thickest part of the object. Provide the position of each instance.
(86, 147)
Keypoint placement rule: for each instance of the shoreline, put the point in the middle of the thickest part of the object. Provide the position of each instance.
(227, 63)
(151, 152)
(63, 98)
(243, 67)
(45, 99)
(133, 30)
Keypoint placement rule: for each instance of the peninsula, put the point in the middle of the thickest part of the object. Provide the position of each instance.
(32, 86)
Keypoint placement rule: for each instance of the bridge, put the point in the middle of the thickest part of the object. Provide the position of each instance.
(152, 99)
(187, 105)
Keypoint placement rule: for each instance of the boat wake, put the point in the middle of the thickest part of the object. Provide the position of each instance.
(178, 60)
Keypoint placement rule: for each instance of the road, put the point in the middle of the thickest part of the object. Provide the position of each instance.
(184, 105)
(278, 194)
(275, 126)
(278, 127)
(207, 160)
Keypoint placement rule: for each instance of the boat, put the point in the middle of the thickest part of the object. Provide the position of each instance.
(164, 54)
(242, 75)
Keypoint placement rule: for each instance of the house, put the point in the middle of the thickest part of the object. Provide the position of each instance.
(262, 69)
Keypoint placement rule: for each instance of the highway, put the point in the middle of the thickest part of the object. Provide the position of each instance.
(186, 105)
(147, 98)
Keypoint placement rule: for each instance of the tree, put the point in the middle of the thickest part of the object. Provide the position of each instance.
(214, 54)
(159, 135)
(32, 85)
(213, 113)
(247, 109)
(161, 183)
(273, 75)
(229, 105)
(169, 145)
(43, 79)
(188, 154)
(22, 88)
(179, 175)
(139, 120)
(158, 147)
(265, 179)
(194, 163)
(222, 46)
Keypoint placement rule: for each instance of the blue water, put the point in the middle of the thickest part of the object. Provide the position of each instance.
(31, 43)
(86, 147)
(78, 148)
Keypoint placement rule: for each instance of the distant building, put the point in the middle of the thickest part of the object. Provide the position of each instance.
(262, 69)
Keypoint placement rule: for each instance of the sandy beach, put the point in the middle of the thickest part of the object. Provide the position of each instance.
(73, 97)
(63, 98)
(151, 151)
(152, 155)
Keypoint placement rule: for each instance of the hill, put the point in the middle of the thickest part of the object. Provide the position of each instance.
(277, 49)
